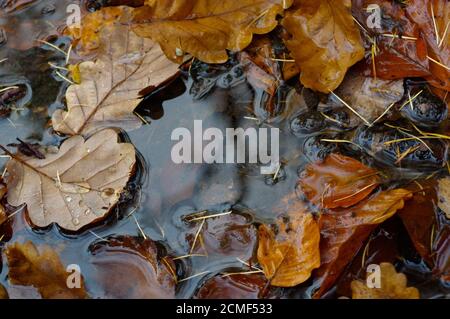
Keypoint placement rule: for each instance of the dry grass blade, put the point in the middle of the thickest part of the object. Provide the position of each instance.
(350, 108)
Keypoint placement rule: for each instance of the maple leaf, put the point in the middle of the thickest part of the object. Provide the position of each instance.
(325, 41)
(74, 187)
(110, 87)
(289, 257)
(339, 181)
(41, 268)
(344, 231)
(206, 28)
(393, 286)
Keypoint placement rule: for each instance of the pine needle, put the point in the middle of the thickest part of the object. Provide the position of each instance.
(434, 23)
(283, 60)
(209, 216)
(242, 273)
(140, 228)
(356, 193)
(58, 67)
(194, 276)
(188, 256)
(8, 88)
(196, 236)
(411, 99)
(382, 115)
(351, 109)
(64, 78)
(438, 63)
(402, 156)
(172, 272)
(53, 46)
(445, 34)
(396, 36)
(3, 60)
(99, 237)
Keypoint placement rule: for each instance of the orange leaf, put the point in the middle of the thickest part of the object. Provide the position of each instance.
(344, 231)
(325, 41)
(339, 181)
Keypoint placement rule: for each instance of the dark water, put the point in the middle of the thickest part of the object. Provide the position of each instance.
(162, 192)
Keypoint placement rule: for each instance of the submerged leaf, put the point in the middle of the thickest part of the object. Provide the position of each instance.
(74, 187)
(130, 268)
(240, 286)
(110, 87)
(206, 28)
(339, 181)
(41, 268)
(289, 257)
(3, 216)
(344, 231)
(393, 286)
(325, 41)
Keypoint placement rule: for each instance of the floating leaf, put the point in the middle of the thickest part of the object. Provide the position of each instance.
(130, 268)
(344, 231)
(206, 28)
(110, 87)
(41, 268)
(325, 42)
(289, 257)
(74, 187)
(239, 286)
(393, 286)
(339, 181)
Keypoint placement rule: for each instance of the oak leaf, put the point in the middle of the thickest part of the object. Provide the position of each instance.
(393, 286)
(344, 231)
(288, 257)
(41, 268)
(110, 87)
(74, 187)
(206, 28)
(339, 181)
(325, 41)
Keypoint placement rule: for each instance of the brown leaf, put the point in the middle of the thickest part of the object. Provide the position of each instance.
(393, 286)
(370, 97)
(3, 292)
(3, 216)
(206, 28)
(110, 87)
(41, 268)
(74, 187)
(289, 257)
(233, 287)
(444, 195)
(344, 231)
(130, 268)
(339, 181)
(325, 41)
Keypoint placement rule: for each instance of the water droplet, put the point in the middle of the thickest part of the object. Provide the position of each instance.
(68, 199)
(88, 150)
(87, 211)
(76, 221)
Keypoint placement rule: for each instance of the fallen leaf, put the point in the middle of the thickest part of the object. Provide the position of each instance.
(421, 12)
(325, 41)
(395, 58)
(338, 181)
(206, 28)
(441, 251)
(243, 286)
(444, 195)
(3, 292)
(131, 268)
(74, 187)
(3, 216)
(288, 257)
(344, 231)
(110, 87)
(393, 286)
(41, 268)
(370, 97)
(229, 235)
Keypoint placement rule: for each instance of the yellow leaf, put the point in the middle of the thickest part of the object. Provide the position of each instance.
(325, 41)
(393, 286)
(206, 28)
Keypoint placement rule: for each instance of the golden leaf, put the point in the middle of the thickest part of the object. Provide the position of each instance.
(393, 286)
(75, 187)
(206, 28)
(325, 41)
(110, 87)
(289, 257)
(41, 268)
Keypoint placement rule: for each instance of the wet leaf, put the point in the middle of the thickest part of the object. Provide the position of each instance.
(41, 268)
(344, 231)
(130, 268)
(289, 256)
(370, 97)
(444, 195)
(393, 286)
(110, 87)
(249, 286)
(206, 28)
(3, 216)
(3, 292)
(74, 187)
(325, 41)
(338, 181)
